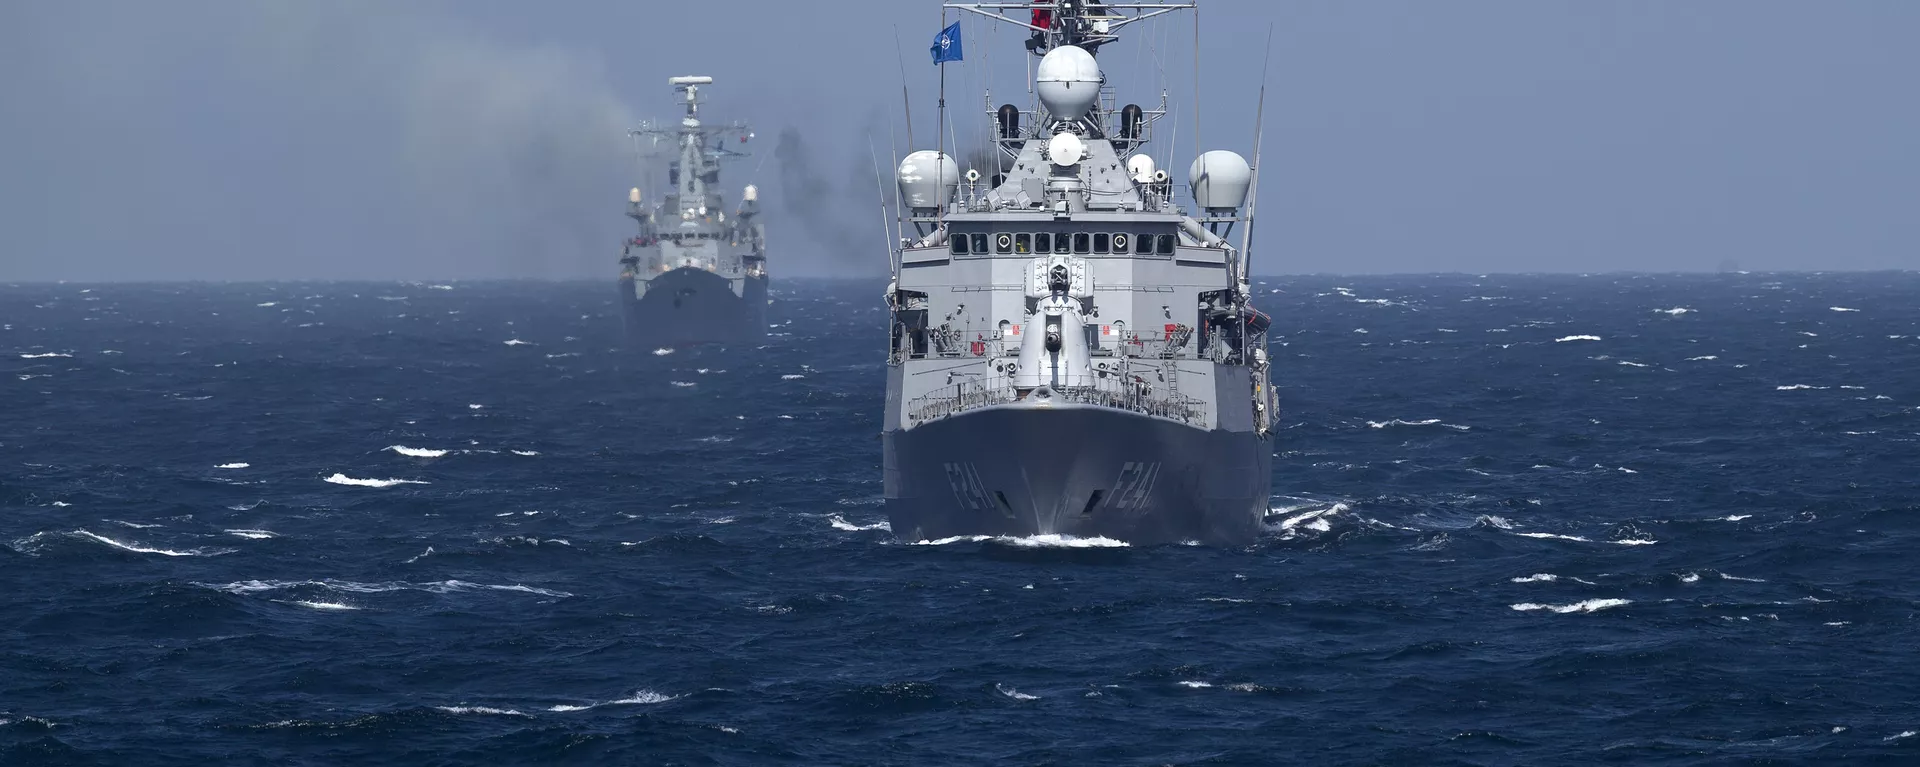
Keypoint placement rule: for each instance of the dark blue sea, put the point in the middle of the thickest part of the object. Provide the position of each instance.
(1518, 520)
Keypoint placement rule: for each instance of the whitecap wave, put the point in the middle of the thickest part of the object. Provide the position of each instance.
(662, 352)
(1197, 685)
(792, 377)
(479, 710)
(1841, 309)
(1674, 312)
(353, 587)
(43, 356)
(682, 384)
(1703, 357)
(840, 523)
(1058, 541)
(638, 698)
(1555, 536)
(1536, 578)
(1588, 606)
(1013, 693)
(516, 342)
(342, 479)
(525, 452)
(1797, 387)
(1564, 339)
(254, 534)
(139, 549)
(952, 539)
(234, 466)
(417, 452)
(326, 605)
(1315, 519)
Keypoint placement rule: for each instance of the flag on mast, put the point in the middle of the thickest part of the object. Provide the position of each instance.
(946, 47)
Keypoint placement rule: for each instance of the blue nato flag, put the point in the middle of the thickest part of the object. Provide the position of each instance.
(946, 47)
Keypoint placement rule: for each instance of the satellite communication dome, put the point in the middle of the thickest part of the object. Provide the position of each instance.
(927, 178)
(1220, 179)
(1068, 82)
(752, 193)
(1140, 169)
(1065, 149)
(634, 195)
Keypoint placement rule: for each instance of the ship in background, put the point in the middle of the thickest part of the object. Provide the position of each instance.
(692, 273)
(1071, 352)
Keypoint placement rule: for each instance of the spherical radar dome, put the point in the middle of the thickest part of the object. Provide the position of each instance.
(927, 178)
(1068, 82)
(1065, 149)
(1140, 168)
(1220, 179)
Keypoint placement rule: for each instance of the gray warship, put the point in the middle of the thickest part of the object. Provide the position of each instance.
(1071, 353)
(692, 274)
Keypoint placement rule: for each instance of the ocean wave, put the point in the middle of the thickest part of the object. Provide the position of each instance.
(1013, 693)
(43, 356)
(638, 698)
(417, 452)
(234, 466)
(1564, 339)
(354, 587)
(479, 710)
(840, 523)
(342, 479)
(254, 534)
(1588, 606)
(136, 548)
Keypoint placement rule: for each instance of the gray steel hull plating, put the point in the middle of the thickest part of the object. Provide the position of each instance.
(1079, 470)
(691, 306)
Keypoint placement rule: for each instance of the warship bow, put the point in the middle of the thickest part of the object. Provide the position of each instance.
(1071, 352)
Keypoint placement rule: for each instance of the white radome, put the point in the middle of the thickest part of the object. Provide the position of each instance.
(1140, 169)
(633, 195)
(1065, 149)
(1068, 82)
(927, 178)
(1220, 179)
(752, 193)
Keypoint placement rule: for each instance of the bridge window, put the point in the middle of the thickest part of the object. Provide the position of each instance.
(1003, 243)
(959, 243)
(1023, 243)
(1060, 244)
(1082, 243)
(1100, 242)
(1166, 244)
(1043, 243)
(1120, 243)
(979, 243)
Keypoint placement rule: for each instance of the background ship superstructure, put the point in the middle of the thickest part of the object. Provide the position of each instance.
(1070, 352)
(693, 274)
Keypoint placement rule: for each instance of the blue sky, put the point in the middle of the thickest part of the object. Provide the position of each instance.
(203, 139)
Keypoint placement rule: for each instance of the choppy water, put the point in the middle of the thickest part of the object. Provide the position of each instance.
(1521, 520)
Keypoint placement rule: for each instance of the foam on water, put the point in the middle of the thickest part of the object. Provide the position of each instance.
(234, 466)
(1564, 339)
(417, 452)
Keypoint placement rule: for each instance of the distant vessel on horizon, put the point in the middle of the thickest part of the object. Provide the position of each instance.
(691, 274)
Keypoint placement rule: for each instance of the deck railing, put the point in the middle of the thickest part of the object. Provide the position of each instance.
(1108, 390)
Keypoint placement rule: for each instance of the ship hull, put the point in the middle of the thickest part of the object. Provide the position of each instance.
(1076, 470)
(693, 306)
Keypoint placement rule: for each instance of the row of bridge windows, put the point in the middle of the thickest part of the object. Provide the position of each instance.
(1077, 243)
